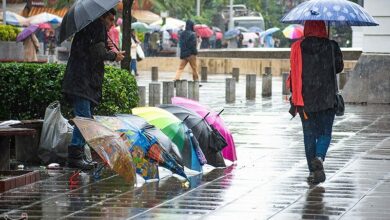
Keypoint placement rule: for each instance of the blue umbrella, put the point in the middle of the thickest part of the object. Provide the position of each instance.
(269, 31)
(26, 32)
(231, 34)
(337, 12)
(255, 29)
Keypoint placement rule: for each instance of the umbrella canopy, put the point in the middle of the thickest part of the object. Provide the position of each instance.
(203, 30)
(45, 26)
(218, 35)
(171, 22)
(255, 29)
(338, 12)
(231, 33)
(210, 141)
(213, 119)
(293, 31)
(27, 32)
(143, 147)
(14, 19)
(269, 31)
(152, 131)
(178, 132)
(241, 29)
(140, 27)
(110, 146)
(45, 18)
(82, 13)
(216, 29)
(145, 166)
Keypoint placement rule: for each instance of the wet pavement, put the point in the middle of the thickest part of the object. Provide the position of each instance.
(268, 181)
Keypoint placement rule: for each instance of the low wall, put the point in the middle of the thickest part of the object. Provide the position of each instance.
(11, 50)
(217, 65)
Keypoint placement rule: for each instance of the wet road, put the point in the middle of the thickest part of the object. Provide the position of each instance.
(268, 181)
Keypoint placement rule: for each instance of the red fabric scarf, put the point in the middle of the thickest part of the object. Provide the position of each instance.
(311, 29)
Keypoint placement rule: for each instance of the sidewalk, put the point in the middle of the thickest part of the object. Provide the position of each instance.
(268, 181)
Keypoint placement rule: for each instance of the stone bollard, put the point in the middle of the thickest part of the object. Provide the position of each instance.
(193, 90)
(181, 88)
(203, 74)
(154, 73)
(251, 86)
(154, 94)
(343, 78)
(285, 91)
(142, 96)
(168, 92)
(230, 92)
(236, 74)
(266, 82)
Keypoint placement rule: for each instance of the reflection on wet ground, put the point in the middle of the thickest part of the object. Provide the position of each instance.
(268, 182)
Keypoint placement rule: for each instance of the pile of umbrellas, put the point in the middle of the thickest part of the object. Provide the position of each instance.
(174, 136)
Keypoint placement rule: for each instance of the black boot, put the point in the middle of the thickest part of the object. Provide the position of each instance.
(76, 159)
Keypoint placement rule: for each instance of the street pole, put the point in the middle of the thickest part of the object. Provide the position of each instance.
(4, 11)
(231, 23)
(198, 8)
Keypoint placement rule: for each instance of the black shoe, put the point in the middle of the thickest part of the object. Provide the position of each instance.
(136, 74)
(76, 159)
(310, 178)
(318, 174)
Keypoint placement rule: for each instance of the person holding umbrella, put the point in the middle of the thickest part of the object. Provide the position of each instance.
(30, 43)
(312, 83)
(83, 79)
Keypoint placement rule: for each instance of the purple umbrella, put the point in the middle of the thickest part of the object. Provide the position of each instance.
(213, 119)
(27, 32)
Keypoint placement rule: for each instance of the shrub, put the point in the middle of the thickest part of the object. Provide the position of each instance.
(8, 33)
(26, 90)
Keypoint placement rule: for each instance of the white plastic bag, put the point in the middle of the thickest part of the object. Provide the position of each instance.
(140, 53)
(56, 135)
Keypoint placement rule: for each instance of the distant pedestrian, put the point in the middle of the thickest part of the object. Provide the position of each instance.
(31, 47)
(134, 44)
(312, 82)
(188, 51)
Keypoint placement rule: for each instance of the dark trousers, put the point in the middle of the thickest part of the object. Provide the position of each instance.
(82, 108)
(317, 134)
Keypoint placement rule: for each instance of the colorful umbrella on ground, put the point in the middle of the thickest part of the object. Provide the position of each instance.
(27, 32)
(203, 30)
(14, 19)
(178, 132)
(153, 132)
(213, 119)
(143, 144)
(336, 12)
(210, 141)
(293, 31)
(45, 18)
(140, 27)
(139, 147)
(109, 145)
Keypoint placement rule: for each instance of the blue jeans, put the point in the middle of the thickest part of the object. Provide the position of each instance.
(83, 108)
(317, 133)
(133, 66)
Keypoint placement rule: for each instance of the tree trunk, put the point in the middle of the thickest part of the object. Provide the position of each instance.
(126, 37)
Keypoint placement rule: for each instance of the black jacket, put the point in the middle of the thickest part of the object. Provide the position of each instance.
(188, 41)
(318, 85)
(85, 69)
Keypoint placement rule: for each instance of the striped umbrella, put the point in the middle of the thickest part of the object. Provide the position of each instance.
(14, 19)
(293, 31)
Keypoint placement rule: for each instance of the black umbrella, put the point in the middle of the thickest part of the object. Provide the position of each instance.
(82, 13)
(210, 141)
(153, 132)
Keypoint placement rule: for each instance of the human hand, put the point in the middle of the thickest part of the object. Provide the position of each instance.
(120, 55)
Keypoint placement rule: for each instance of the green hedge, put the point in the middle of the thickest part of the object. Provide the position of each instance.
(8, 32)
(27, 89)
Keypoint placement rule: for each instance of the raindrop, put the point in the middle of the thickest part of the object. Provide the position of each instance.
(341, 18)
(352, 15)
(337, 7)
(345, 10)
(329, 14)
(307, 14)
(325, 9)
